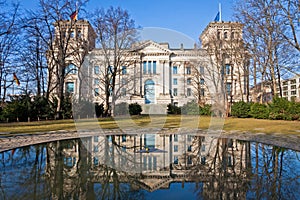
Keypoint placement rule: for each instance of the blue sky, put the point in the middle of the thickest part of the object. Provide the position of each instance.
(188, 18)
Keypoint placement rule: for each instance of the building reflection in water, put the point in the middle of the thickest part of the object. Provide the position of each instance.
(101, 165)
(142, 166)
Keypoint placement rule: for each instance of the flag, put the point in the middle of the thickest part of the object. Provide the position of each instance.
(217, 18)
(73, 16)
(16, 79)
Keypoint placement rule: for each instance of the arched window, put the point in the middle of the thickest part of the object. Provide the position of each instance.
(149, 92)
(71, 69)
(219, 35)
(232, 35)
(225, 35)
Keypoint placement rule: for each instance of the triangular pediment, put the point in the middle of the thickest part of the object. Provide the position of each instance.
(151, 47)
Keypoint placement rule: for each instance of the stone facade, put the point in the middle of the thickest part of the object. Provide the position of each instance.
(154, 73)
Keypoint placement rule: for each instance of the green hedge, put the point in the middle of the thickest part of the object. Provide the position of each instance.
(241, 109)
(282, 109)
(190, 108)
(259, 111)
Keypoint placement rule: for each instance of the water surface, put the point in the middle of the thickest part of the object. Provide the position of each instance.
(148, 166)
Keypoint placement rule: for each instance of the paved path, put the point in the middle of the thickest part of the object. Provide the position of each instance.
(291, 141)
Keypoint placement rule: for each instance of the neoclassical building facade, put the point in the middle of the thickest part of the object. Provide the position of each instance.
(154, 73)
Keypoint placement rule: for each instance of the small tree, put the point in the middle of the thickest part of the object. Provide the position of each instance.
(172, 109)
(191, 108)
(205, 110)
(135, 109)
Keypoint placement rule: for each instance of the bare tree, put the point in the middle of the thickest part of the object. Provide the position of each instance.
(33, 57)
(52, 25)
(289, 12)
(269, 34)
(8, 44)
(115, 33)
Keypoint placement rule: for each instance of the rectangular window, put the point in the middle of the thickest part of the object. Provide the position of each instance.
(189, 92)
(227, 69)
(70, 87)
(123, 138)
(175, 148)
(96, 70)
(110, 69)
(150, 163)
(175, 138)
(144, 163)
(96, 161)
(175, 70)
(189, 160)
(124, 70)
(144, 67)
(124, 81)
(175, 159)
(154, 67)
(96, 149)
(203, 148)
(189, 149)
(96, 81)
(201, 70)
(203, 160)
(96, 92)
(154, 163)
(293, 92)
(293, 87)
(96, 139)
(293, 81)
(175, 92)
(149, 67)
(228, 88)
(202, 92)
(202, 81)
(174, 81)
(189, 81)
(188, 70)
(123, 92)
(190, 138)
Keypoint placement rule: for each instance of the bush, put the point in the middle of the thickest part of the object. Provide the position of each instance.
(135, 109)
(99, 109)
(241, 109)
(259, 111)
(279, 109)
(205, 110)
(191, 108)
(172, 109)
(294, 110)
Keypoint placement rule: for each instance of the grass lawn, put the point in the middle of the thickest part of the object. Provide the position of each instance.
(171, 121)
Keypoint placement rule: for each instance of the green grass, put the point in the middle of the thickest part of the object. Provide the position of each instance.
(171, 121)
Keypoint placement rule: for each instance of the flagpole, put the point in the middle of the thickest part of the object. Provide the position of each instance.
(220, 11)
(77, 8)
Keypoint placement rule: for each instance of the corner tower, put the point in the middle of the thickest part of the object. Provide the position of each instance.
(224, 43)
(72, 41)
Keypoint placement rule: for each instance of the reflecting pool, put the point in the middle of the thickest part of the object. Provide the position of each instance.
(148, 166)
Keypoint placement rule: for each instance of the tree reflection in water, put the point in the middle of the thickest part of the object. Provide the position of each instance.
(137, 166)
